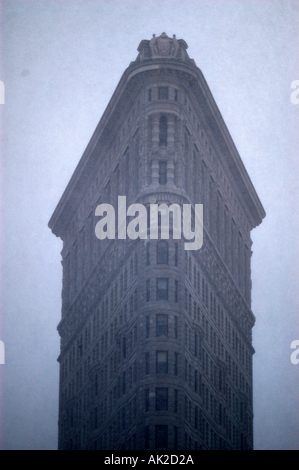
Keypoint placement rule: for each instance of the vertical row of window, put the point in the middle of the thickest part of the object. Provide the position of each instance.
(85, 251)
(220, 316)
(218, 219)
(82, 255)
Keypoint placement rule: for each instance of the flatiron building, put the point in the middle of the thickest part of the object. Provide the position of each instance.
(156, 340)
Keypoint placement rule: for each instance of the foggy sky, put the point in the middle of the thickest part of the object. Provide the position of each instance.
(61, 61)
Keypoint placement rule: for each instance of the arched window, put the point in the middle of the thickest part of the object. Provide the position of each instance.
(163, 131)
(162, 252)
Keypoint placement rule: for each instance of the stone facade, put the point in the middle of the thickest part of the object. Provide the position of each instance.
(156, 341)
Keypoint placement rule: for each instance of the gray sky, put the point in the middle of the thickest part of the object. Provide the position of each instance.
(61, 61)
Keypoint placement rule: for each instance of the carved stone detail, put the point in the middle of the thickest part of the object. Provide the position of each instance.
(163, 47)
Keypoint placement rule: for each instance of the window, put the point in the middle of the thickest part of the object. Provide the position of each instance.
(196, 418)
(146, 437)
(175, 430)
(162, 325)
(123, 418)
(176, 401)
(147, 363)
(148, 290)
(162, 289)
(133, 441)
(161, 399)
(162, 173)
(96, 385)
(176, 254)
(176, 362)
(176, 327)
(163, 93)
(162, 362)
(123, 383)
(147, 400)
(176, 95)
(149, 94)
(162, 252)
(124, 348)
(95, 418)
(161, 436)
(176, 291)
(147, 327)
(148, 258)
(163, 131)
(220, 421)
(220, 381)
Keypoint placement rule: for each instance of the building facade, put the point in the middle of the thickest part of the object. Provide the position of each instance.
(156, 340)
